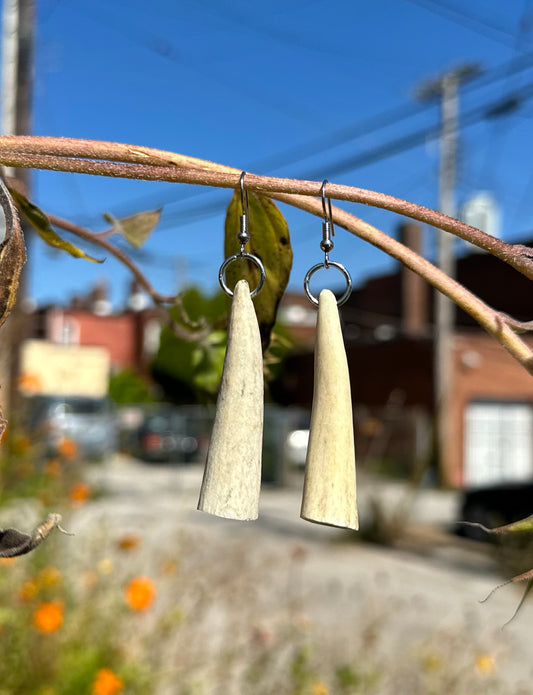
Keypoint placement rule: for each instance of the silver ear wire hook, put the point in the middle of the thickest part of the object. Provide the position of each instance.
(326, 246)
(327, 225)
(243, 237)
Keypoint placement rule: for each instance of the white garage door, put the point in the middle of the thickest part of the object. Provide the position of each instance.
(498, 443)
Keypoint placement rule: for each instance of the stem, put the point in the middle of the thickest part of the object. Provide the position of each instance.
(159, 299)
(129, 161)
(69, 154)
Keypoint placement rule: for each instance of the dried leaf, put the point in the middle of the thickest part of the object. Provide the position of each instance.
(12, 254)
(270, 241)
(39, 221)
(137, 228)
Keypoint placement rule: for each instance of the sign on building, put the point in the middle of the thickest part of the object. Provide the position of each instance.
(63, 370)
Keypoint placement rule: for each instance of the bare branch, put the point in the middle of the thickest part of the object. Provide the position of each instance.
(199, 329)
(130, 161)
(68, 154)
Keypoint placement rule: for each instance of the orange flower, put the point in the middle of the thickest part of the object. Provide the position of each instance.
(79, 494)
(140, 593)
(31, 383)
(67, 449)
(48, 617)
(129, 541)
(107, 682)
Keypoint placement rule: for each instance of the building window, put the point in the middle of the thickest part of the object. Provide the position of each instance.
(498, 443)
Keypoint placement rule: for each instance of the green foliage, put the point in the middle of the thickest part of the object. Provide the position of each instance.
(193, 370)
(128, 386)
(270, 241)
(302, 674)
(39, 221)
(193, 367)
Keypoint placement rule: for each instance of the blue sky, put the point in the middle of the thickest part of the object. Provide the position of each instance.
(240, 83)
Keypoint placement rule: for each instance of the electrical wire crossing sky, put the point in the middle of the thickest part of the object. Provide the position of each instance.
(293, 89)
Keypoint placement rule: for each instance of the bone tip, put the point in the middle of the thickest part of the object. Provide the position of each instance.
(352, 524)
(327, 296)
(241, 287)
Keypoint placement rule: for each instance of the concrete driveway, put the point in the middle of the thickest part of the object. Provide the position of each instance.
(404, 608)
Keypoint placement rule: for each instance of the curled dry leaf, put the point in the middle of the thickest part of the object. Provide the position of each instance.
(14, 542)
(12, 254)
(12, 258)
(40, 222)
(137, 228)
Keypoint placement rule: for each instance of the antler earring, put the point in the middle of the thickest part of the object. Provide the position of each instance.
(232, 476)
(329, 495)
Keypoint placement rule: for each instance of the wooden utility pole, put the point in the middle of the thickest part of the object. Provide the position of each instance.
(446, 88)
(18, 21)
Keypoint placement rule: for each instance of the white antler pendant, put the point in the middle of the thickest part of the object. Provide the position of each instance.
(329, 495)
(232, 476)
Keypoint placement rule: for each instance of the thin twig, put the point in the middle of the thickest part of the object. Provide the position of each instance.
(200, 329)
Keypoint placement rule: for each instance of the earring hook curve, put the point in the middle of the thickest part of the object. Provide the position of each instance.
(244, 195)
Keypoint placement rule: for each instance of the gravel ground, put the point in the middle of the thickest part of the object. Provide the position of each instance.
(410, 614)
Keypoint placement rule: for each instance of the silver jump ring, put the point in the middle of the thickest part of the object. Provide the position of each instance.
(330, 264)
(254, 259)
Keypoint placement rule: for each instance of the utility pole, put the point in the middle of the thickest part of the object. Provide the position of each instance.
(18, 21)
(446, 88)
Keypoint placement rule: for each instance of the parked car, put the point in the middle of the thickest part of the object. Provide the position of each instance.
(494, 506)
(88, 422)
(165, 435)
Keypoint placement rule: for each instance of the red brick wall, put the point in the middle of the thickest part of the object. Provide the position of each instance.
(115, 332)
(483, 370)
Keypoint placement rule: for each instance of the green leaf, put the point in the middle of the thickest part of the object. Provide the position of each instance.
(39, 221)
(270, 241)
(137, 228)
(198, 365)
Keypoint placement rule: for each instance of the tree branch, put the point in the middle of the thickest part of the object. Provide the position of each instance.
(73, 155)
(201, 330)
(129, 161)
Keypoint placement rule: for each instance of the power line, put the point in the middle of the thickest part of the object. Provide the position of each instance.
(495, 143)
(163, 48)
(358, 161)
(467, 19)
(392, 148)
(340, 136)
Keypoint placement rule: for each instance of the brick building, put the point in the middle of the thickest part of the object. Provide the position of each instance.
(388, 327)
(131, 336)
